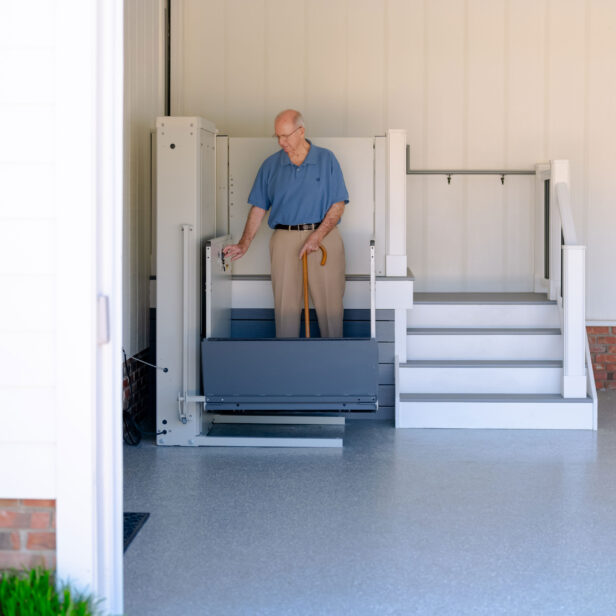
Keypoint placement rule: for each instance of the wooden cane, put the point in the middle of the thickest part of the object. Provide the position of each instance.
(306, 311)
(306, 308)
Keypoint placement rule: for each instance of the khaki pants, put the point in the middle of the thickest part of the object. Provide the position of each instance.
(326, 283)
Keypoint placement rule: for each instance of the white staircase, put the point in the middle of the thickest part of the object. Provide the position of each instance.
(486, 360)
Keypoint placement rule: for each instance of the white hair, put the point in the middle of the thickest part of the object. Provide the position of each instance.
(296, 117)
(299, 120)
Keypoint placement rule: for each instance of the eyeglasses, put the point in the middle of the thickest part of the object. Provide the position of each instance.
(279, 137)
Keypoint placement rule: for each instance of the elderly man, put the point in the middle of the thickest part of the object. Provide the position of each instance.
(303, 187)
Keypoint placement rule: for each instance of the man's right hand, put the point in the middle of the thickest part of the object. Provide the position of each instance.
(234, 251)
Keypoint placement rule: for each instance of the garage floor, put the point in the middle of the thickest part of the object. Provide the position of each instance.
(399, 522)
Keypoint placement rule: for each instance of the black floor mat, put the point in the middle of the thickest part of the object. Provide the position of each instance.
(132, 525)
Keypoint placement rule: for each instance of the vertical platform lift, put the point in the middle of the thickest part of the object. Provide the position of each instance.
(218, 374)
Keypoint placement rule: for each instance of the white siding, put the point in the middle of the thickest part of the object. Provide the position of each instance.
(479, 83)
(27, 250)
(144, 101)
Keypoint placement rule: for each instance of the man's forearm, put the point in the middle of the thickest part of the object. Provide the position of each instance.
(253, 222)
(334, 214)
(327, 224)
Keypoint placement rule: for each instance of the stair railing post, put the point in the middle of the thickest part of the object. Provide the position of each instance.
(574, 322)
(559, 173)
(541, 246)
(573, 286)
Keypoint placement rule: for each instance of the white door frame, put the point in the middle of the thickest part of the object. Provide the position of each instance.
(88, 192)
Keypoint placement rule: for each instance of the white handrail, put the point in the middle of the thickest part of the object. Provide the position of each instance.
(591, 385)
(566, 214)
(186, 288)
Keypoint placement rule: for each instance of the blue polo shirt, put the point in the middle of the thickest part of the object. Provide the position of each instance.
(298, 194)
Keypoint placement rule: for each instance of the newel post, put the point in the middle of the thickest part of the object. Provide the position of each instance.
(574, 321)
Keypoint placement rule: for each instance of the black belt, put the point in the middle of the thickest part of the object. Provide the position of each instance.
(308, 227)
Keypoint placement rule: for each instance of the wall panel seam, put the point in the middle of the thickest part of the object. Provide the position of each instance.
(465, 147)
(546, 81)
(586, 186)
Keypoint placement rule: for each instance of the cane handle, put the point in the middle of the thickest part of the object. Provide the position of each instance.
(324, 258)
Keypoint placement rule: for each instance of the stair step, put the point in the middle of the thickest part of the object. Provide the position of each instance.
(479, 363)
(484, 331)
(481, 377)
(440, 397)
(482, 310)
(494, 411)
(482, 298)
(484, 344)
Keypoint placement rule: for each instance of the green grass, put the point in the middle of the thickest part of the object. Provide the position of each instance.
(34, 593)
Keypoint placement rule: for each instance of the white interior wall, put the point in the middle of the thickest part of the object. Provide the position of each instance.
(475, 83)
(144, 101)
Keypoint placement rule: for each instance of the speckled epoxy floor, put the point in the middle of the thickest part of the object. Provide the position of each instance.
(444, 522)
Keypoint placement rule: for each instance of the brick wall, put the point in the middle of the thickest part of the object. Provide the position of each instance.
(27, 533)
(602, 342)
(143, 390)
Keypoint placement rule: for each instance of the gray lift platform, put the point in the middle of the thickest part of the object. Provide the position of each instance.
(279, 381)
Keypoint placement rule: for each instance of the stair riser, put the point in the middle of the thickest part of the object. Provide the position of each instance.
(495, 415)
(482, 315)
(484, 347)
(509, 380)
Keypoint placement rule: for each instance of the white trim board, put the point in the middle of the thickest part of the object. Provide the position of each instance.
(88, 182)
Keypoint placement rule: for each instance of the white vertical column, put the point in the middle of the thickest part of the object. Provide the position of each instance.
(109, 380)
(177, 57)
(395, 256)
(574, 322)
(380, 199)
(88, 199)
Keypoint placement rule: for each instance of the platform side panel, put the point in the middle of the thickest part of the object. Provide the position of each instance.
(217, 290)
(356, 157)
(291, 374)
